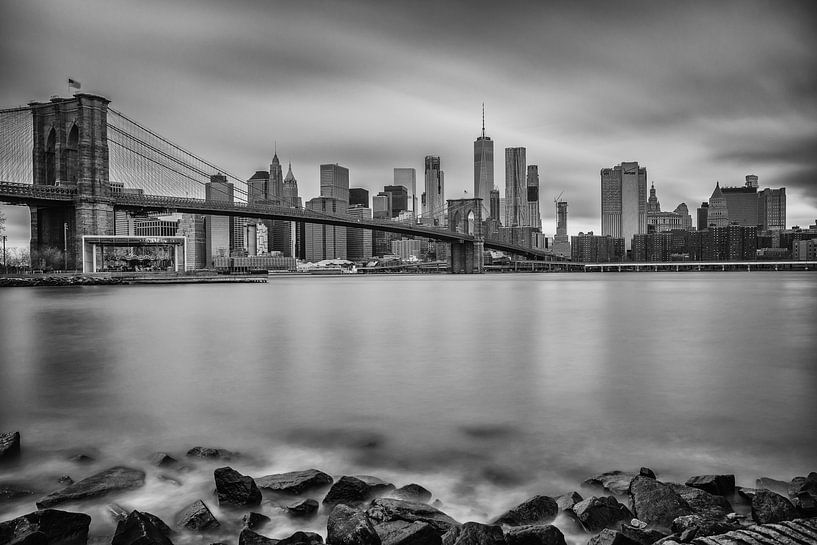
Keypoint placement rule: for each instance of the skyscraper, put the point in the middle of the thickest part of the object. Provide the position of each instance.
(359, 241)
(535, 219)
(276, 180)
(624, 201)
(516, 204)
(358, 197)
(325, 241)
(742, 203)
(493, 207)
(258, 187)
(718, 213)
(335, 182)
(407, 177)
(290, 192)
(434, 206)
(282, 236)
(771, 206)
(398, 199)
(483, 168)
(561, 242)
(217, 228)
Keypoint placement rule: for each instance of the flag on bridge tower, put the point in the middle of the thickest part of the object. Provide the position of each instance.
(74, 83)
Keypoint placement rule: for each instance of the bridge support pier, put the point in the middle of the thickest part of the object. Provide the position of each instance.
(466, 257)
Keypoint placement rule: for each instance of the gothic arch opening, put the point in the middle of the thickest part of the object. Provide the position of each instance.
(469, 226)
(70, 156)
(51, 158)
(458, 221)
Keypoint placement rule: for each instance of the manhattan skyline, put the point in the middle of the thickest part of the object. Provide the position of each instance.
(697, 94)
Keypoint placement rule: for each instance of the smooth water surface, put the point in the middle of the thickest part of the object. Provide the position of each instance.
(484, 389)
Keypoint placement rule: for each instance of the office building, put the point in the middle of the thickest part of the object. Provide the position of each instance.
(484, 169)
(659, 221)
(217, 228)
(325, 241)
(406, 249)
(275, 191)
(191, 226)
(516, 204)
(493, 207)
(590, 248)
(804, 250)
(624, 201)
(741, 202)
(407, 177)
(718, 212)
(535, 218)
(771, 209)
(686, 218)
(380, 207)
(358, 240)
(258, 187)
(358, 197)
(335, 182)
(398, 199)
(290, 195)
(703, 216)
(561, 242)
(434, 195)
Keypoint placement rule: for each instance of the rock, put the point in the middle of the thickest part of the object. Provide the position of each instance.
(537, 510)
(703, 526)
(138, 529)
(57, 528)
(806, 504)
(781, 487)
(400, 532)
(111, 480)
(235, 489)
(353, 490)
(720, 485)
(474, 533)
(348, 526)
(770, 507)
(255, 521)
(117, 512)
(376, 483)
(302, 538)
(703, 503)
(803, 484)
(9, 446)
(567, 501)
(65, 480)
(81, 458)
(387, 510)
(596, 514)
(646, 472)
(295, 483)
(305, 508)
(641, 534)
(10, 492)
(656, 503)
(163, 459)
(451, 536)
(248, 537)
(196, 517)
(615, 482)
(210, 453)
(540, 534)
(798, 532)
(159, 524)
(612, 537)
(411, 492)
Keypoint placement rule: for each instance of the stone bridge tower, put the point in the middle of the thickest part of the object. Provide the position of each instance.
(71, 151)
(465, 216)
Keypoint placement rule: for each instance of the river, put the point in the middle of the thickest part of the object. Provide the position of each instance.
(484, 389)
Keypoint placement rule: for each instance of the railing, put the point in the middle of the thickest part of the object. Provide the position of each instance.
(41, 192)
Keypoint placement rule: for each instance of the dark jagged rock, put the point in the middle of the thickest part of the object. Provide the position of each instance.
(806, 504)
(540, 534)
(235, 489)
(163, 459)
(769, 507)
(255, 521)
(295, 483)
(10, 492)
(474, 533)
(656, 503)
(537, 510)
(400, 532)
(376, 483)
(110, 480)
(117, 512)
(197, 517)
(248, 537)
(387, 510)
(806, 484)
(451, 536)
(210, 453)
(642, 536)
(65, 480)
(596, 514)
(567, 501)
(798, 532)
(139, 529)
(304, 508)
(720, 485)
(353, 491)
(302, 538)
(411, 492)
(159, 524)
(9, 446)
(646, 472)
(612, 537)
(58, 527)
(349, 526)
(615, 482)
(702, 526)
(703, 503)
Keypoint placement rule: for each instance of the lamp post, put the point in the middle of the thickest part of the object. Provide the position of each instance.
(5, 263)
(65, 246)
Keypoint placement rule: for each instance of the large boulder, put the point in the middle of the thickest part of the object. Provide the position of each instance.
(770, 507)
(302, 538)
(540, 534)
(111, 480)
(255, 521)
(567, 501)
(536, 510)
(400, 532)
(349, 526)
(411, 492)
(803, 484)
(474, 533)
(354, 491)
(781, 487)
(611, 537)
(387, 510)
(303, 508)
(641, 535)
(139, 529)
(295, 483)
(720, 485)
(196, 517)
(51, 526)
(209, 453)
(703, 526)
(9, 446)
(248, 537)
(656, 503)
(615, 482)
(596, 514)
(703, 503)
(163, 459)
(235, 489)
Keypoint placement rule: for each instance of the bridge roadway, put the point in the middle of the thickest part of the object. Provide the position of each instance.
(40, 195)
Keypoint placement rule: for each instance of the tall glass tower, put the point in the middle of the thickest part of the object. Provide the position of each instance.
(483, 168)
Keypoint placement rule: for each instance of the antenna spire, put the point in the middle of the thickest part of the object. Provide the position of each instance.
(483, 120)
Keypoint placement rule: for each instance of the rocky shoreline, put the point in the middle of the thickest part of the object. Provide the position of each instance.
(59, 280)
(613, 508)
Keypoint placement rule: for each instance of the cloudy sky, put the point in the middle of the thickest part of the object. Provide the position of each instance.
(694, 91)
